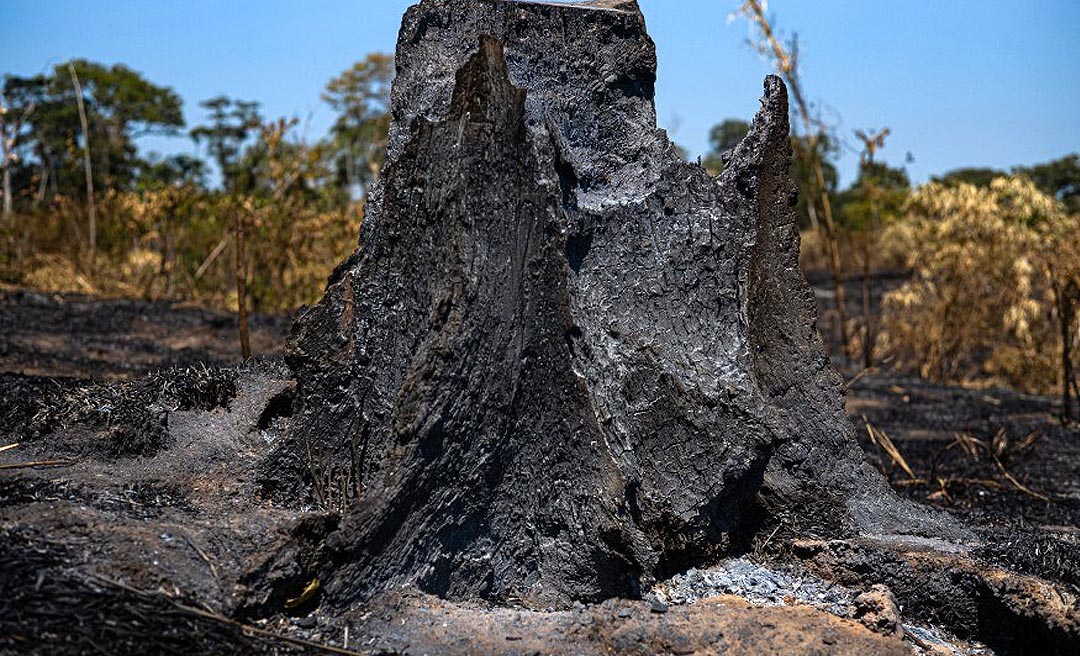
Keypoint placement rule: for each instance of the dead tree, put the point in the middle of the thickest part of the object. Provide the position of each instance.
(564, 362)
(10, 126)
(91, 207)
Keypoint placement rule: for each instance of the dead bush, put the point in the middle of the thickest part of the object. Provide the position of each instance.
(991, 300)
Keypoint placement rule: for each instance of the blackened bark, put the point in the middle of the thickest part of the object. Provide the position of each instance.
(564, 361)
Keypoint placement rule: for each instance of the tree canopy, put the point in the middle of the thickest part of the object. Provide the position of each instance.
(361, 98)
(723, 137)
(1060, 178)
(230, 124)
(121, 106)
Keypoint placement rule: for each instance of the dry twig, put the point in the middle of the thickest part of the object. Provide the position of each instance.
(859, 376)
(883, 442)
(1018, 485)
(970, 445)
(202, 554)
(38, 463)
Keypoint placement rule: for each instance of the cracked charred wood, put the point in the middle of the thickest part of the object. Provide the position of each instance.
(563, 361)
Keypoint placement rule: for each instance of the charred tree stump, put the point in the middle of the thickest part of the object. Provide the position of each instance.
(564, 361)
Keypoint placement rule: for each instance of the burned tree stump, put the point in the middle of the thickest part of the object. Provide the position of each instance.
(565, 362)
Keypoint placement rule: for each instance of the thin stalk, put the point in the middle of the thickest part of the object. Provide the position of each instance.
(868, 318)
(87, 166)
(1066, 316)
(7, 186)
(6, 143)
(242, 289)
(871, 142)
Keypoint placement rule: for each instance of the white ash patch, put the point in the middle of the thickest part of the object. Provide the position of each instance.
(758, 585)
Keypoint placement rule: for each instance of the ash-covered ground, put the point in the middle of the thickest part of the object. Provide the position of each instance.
(132, 521)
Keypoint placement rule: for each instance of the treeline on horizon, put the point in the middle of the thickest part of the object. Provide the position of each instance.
(991, 258)
(86, 210)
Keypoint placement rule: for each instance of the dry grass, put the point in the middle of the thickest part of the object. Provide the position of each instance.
(884, 444)
(993, 454)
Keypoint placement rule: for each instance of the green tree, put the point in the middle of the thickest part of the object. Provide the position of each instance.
(978, 177)
(33, 147)
(125, 106)
(1059, 178)
(230, 124)
(723, 138)
(361, 97)
(877, 196)
(174, 170)
(121, 106)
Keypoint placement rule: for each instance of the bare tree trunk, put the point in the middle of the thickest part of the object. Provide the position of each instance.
(168, 256)
(870, 188)
(836, 268)
(87, 166)
(242, 289)
(868, 316)
(43, 186)
(170, 249)
(1066, 316)
(5, 146)
(9, 131)
(831, 240)
(7, 181)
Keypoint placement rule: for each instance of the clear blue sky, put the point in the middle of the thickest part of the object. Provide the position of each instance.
(960, 82)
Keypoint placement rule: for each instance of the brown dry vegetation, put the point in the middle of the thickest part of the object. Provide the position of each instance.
(970, 286)
(995, 275)
(177, 243)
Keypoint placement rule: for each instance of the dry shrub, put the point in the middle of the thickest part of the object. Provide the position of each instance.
(176, 243)
(989, 266)
(55, 274)
(293, 248)
(812, 251)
